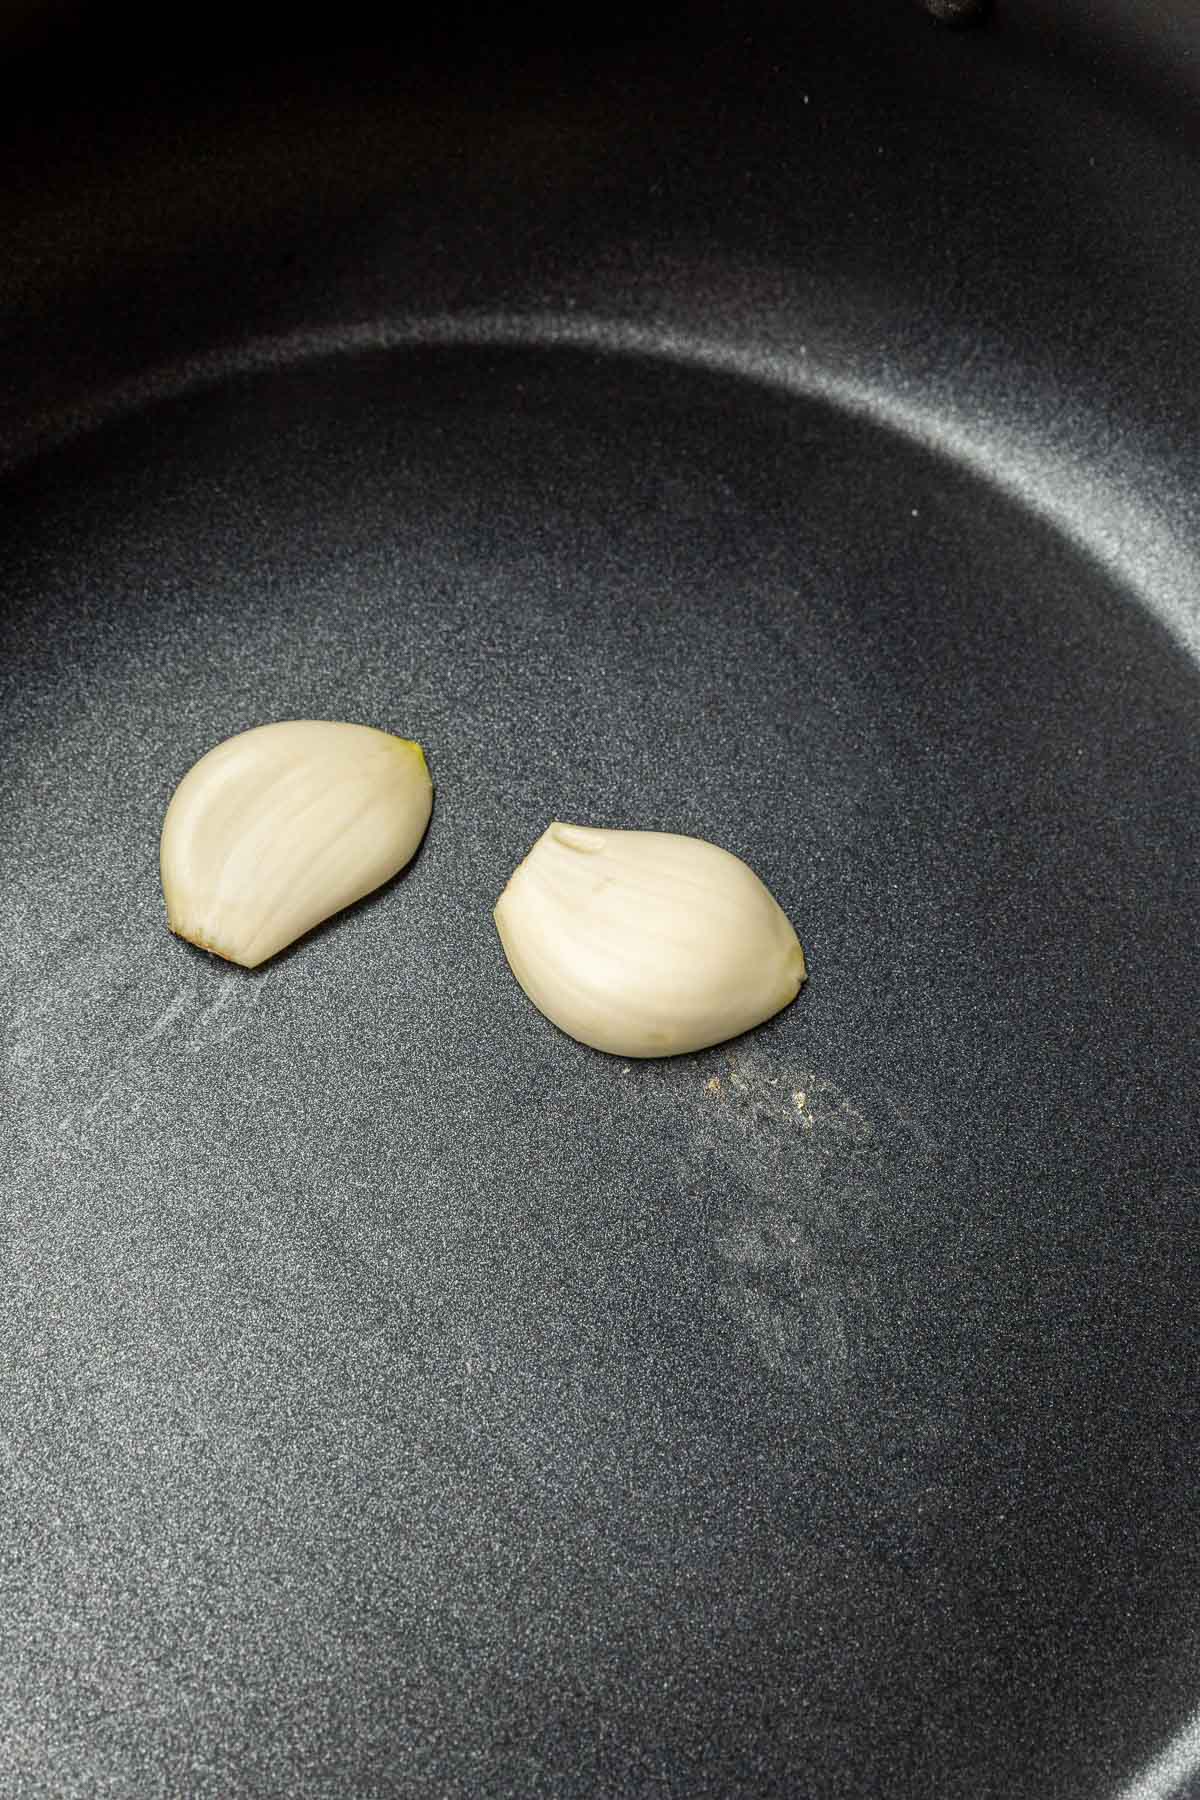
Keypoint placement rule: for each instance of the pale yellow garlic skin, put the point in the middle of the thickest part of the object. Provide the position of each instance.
(278, 828)
(644, 943)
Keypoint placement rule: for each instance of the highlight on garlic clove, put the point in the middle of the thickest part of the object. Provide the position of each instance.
(643, 943)
(280, 827)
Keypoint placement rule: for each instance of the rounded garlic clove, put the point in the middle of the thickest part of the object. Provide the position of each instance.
(279, 828)
(642, 943)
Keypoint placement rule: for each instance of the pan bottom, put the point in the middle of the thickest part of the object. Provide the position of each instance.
(406, 1396)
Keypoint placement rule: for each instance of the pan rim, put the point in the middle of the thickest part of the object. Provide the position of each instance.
(1104, 513)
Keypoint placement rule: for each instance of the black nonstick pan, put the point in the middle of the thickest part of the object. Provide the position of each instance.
(774, 424)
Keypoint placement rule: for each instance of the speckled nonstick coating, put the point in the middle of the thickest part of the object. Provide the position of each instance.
(781, 432)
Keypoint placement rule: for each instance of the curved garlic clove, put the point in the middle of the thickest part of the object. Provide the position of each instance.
(280, 827)
(642, 943)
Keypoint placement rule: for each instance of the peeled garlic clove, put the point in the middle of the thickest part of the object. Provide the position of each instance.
(280, 827)
(642, 943)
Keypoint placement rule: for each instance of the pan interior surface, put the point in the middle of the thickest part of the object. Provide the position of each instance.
(402, 1398)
